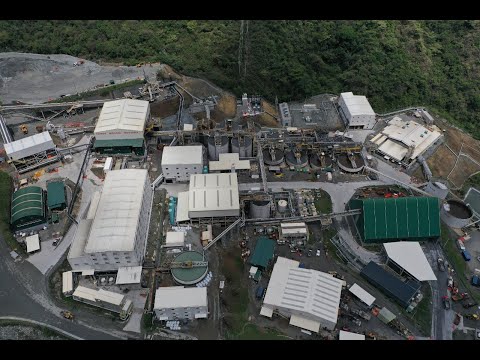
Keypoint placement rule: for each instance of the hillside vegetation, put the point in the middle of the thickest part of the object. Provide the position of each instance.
(394, 63)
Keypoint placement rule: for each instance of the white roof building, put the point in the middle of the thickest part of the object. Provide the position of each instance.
(347, 335)
(182, 207)
(212, 195)
(115, 224)
(129, 275)
(182, 155)
(299, 228)
(229, 161)
(311, 298)
(93, 295)
(178, 302)
(67, 282)
(175, 239)
(121, 119)
(33, 243)
(363, 295)
(400, 135)
(409, 256)
(29, 146)
(357, 104)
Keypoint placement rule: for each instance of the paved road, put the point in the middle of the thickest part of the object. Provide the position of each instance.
(23, 293)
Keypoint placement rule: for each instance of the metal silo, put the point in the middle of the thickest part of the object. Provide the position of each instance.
(217, 145)
(242, 145)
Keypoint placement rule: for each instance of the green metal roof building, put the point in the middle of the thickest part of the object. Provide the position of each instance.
(119, 146)
(406, 218)
(28, 208)
(263, 252)
(56, 197)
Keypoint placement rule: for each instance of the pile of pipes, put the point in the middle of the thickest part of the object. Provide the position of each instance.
(205, 281)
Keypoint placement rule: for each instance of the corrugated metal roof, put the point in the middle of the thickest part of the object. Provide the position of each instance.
(115, 224)
(182, 206)
(67, 282)
(309, 293)
(263, 252)
(394, 150)
(409, 255)
(56, 194)
(28, 146)
(401, 291)
(347, 335)
(99, 143)
(125, 114)
(400, 218)
(357, 104)
(305, 323)
(27, 202)
(129, 275)
(180, 297)
(98, 295)
(80, 238)
(229, 161)
(175, 238)
(363, 295)
(187, 155)
(33, 243)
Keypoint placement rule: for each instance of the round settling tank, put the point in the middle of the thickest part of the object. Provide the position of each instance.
(456, 214)
(282, 206)
(297, 159)
(242, 145)
(318, 162)
(260, 209)
(217, 145)
(273, 156)
(192, 275)
(352, 163)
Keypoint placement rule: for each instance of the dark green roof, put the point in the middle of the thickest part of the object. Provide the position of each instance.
(118, 143)
(263, 252)
(26, 203)
(401, 218)
(55, 194)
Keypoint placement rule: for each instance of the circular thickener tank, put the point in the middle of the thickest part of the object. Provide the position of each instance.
(260, 209)
(456, 214)
(192, 275)
(242, 146)
(318, 162)
(282, 205)
(352, 164)
(272, 156)
(217, 145)
(297, 159)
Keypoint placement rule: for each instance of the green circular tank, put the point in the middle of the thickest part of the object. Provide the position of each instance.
(189, 276)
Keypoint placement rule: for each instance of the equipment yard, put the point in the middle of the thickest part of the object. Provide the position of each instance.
(153, 205)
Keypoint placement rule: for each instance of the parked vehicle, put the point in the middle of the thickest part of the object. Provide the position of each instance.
(67, 315)
(259, 293)
(475, 280)
(460, 245)
(441, 264)
(457, 319)
(446, 303)
(450, 281)
(309, 253)
(466, 255)
(472, 316)
(318, 252)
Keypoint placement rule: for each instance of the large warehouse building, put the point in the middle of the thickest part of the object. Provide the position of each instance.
(179, 162)
(405, 140)
(120, 127)
(114, 234)
(357, 111)
(209, 195)
(392, 219)
(31, 152)
(309, 298)
(178, 302)
(28, 208)
(403, 292)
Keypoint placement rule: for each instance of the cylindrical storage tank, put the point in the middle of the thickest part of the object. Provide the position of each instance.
(456, 214)
(437, 189)
(297, 159)
(217, 145)
(273, 156)
(242, 146)
(192, 275)
(345, 163)
(319, 161)
(260, 209)
(282, 205)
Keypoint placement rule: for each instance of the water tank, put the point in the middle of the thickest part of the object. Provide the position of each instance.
(437, 189)
(298, 159)
(272, 156)
(282, 205)
(352, 163)
(111, 279)
(217, 145)
(260, 209)
(242, 145)
(456, 214)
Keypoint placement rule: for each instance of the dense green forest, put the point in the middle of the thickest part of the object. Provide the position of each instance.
(394, 63)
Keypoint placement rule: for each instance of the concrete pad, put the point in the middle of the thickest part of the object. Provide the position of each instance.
(134, 323)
